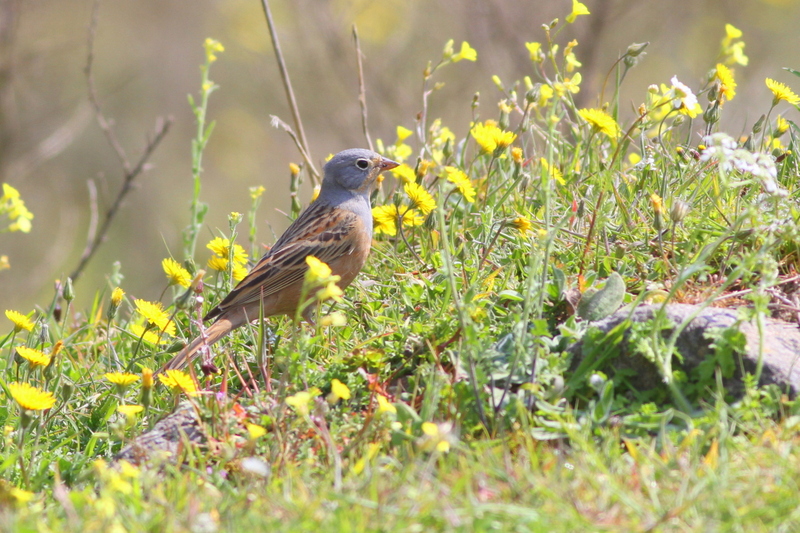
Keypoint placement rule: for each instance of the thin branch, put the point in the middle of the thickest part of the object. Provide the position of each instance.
(287, 85)
(276, 122)
(362, 92)
(130, 171)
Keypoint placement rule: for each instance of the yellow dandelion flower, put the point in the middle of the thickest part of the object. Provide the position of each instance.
(179, 380)
(176, 274)
(781, 125)
(658, 204)
(339, 390)
(420, 198)
(116, 296)
(522, 224)
(31, 398)
(467, 52)
(553, 171)
(460, 179)
(33, 356)
(121, 378)
(317, 270)
(727, 83)
(147, 378)
(782, 92)
(221, 247)
(404, 173)
(577, 9)
(517, 155)
(239, 272)
(490, 137)
(148, 336)
(601, 121)
(20, 321)
(385, 219)
(412, 217)
(155, 314)
(218, 263)
(130, 410)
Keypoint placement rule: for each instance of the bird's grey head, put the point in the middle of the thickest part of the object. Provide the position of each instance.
(355, 170)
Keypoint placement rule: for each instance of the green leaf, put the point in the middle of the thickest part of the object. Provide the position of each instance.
(605, 301)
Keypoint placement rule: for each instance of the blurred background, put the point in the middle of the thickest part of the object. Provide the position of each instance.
(147, 54)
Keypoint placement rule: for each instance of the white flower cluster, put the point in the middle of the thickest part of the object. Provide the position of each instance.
(730, 157)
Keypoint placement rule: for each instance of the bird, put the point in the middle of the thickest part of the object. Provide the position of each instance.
(336, 228)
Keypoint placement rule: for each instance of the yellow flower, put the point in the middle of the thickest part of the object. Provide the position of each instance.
(405, 173)
(522, 224)
(385, 219)
(317, 270)
(683, 98)
(4, 264)
(217, 263)
(490, 137)
(571, 85)
(435, 437)
(331, 291)
(339, 390)
(147, 378)
(130, 410)
(403, 134)
(176, 274)
(420, 198)
(384, 406)
(121, 378)
(726, 81)
(462, 182)
(466, 52)
(256, 192)
(545, 93)
(149, 336)
(20, 321)
(34, 357)
(535, 52)
(116, 296)
(239, 272)
(732, 32)
(424, 166)
(781, 125)
(781, 92)
(255, 431)
(212, 47)
(601, 121)
(31, 398)
(733, 52)
(177, 379)
(21, 495)
(658, 204)
(221, 247)
(569, 56)
(553, 172)
(577, 9)
(155, 314)
(301, 401)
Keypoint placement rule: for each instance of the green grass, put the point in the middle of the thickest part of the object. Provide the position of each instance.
(464, 413)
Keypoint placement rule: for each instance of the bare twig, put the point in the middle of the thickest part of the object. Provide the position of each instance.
(130, 171)
(287, 85)
(362, 92)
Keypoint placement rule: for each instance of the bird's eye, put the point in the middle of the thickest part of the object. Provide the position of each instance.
(363, 164)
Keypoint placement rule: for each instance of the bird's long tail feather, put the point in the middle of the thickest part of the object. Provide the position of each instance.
(215, 332)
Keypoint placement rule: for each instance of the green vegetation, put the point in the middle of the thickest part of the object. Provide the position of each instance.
(438, 394)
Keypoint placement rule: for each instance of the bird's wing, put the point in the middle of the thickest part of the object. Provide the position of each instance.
(321, 231)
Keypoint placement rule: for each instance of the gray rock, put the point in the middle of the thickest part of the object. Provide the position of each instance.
(781, 363)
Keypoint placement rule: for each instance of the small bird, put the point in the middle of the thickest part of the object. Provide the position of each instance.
(336, 229)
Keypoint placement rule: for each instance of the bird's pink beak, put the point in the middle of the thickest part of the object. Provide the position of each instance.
(387, 164)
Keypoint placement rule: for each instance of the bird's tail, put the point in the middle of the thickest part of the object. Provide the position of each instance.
(215, 332)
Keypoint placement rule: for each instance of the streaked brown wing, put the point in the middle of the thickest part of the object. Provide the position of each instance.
(320, 231)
